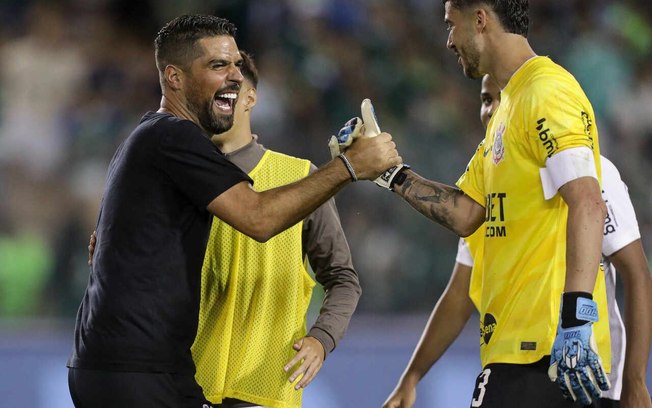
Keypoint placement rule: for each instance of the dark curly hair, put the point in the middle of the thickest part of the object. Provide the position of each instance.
(513, 14)
(176, 42)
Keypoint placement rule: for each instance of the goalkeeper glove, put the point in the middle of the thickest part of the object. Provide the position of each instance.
(391, 176)
(575, 364)
(367, 126)
(354, 128)
(371, 128)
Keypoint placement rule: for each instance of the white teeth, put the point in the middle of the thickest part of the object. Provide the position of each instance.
(229, 95)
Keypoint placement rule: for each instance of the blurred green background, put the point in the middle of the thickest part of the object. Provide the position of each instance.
(77, 75)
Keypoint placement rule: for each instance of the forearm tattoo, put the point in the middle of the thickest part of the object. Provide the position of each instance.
(434, 200)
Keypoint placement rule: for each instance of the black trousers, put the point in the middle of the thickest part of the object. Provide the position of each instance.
(523, 386)
(114, 389)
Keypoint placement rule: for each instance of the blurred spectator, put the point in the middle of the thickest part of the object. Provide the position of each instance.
(69, 268)
(41, 72)
(25, 260)
(25, 250)
(597, 59)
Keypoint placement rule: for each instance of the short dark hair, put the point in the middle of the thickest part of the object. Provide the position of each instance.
(513, 14)
(176, 42)
(248, 68)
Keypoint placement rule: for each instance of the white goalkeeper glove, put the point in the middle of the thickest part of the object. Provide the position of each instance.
(367, 126)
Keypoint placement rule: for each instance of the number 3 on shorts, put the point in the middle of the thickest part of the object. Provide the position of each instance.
(481, 382)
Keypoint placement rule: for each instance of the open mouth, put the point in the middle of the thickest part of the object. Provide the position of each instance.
(226, 101)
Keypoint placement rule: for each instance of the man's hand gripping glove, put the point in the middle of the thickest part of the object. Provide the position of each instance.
(575, 364)
(367, 126)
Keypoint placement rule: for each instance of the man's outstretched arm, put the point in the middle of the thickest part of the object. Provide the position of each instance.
(444, 204)
(261, 215)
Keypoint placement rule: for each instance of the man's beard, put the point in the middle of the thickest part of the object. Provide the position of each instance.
(472, 60)
(211, 122)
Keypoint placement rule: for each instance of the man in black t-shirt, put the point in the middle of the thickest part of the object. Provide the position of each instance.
(138, 317)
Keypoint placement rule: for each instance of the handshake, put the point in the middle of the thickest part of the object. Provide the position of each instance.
(365, 127)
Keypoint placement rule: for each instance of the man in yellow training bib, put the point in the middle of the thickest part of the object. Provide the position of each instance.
(252, 348)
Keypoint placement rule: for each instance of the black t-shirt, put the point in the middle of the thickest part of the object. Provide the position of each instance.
(140, 310)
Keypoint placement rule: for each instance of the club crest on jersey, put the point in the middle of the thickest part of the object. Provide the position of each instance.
(499, 147)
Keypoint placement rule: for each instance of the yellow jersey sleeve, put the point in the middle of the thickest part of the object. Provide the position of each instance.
(471, 181)
(557, 115)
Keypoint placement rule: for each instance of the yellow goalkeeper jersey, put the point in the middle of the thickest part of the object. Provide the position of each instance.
(519, 272)
(253, 304)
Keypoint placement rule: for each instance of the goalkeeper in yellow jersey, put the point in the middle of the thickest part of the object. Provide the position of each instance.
(534, 186)
(252, 348)
(622, 250)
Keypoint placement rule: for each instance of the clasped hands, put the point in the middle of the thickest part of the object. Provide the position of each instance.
(365, 127)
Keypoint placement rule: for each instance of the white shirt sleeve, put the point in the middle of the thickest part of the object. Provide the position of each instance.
(565, 166)
(464, 256)
(620, 226)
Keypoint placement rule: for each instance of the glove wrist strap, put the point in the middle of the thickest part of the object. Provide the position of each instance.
(577, 308)
(400, 177)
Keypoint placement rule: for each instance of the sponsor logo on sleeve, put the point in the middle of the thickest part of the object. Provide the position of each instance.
(610, 222)
(588, 126)
(546, 137)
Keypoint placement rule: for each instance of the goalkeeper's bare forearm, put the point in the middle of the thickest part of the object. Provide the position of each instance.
(444, 204)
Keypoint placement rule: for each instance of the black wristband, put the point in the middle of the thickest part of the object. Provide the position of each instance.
(569, 309)
(400, 177)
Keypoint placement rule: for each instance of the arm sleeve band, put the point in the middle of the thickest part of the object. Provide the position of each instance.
(565, 166)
